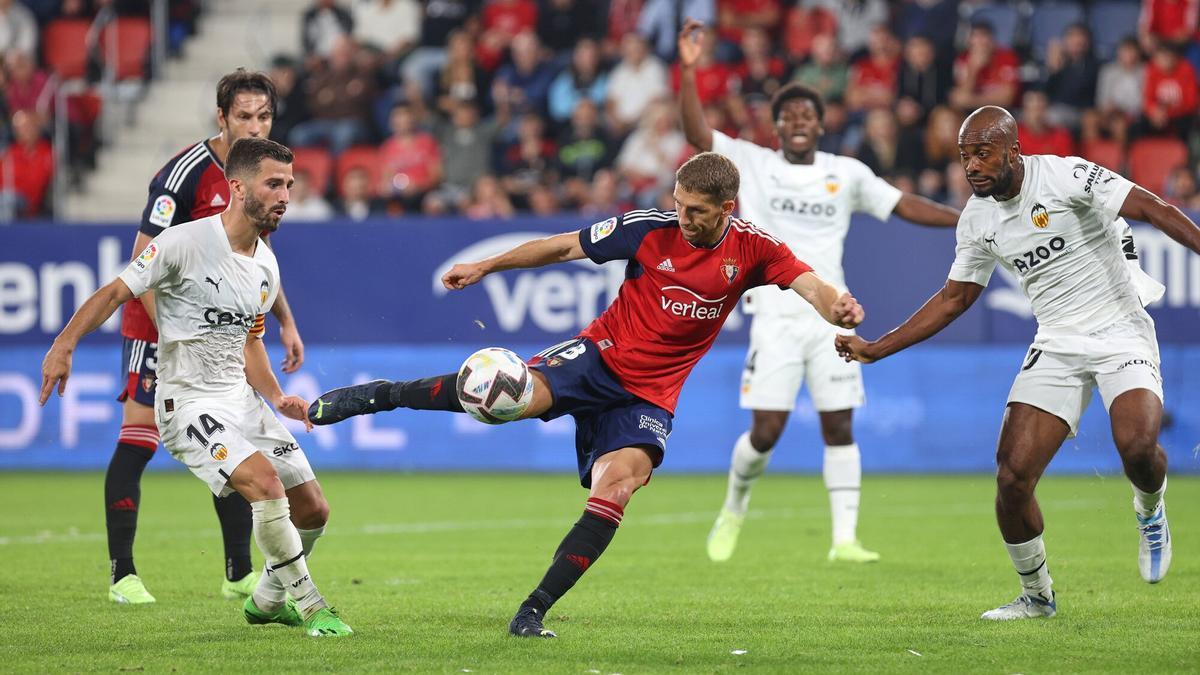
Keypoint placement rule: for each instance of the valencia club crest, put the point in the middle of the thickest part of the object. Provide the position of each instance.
(729, 269)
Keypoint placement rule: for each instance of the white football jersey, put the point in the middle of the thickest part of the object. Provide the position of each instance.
(1061, 237)
(208, 300)
(808, 206)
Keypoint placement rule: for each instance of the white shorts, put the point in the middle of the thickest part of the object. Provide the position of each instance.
(788, 351)
(1059, 372)
(213, 436)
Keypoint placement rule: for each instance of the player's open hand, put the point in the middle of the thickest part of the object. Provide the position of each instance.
(853, 348)
(462, 275)
(293, 348)
(294, 407)
(691, 42)
(56, 368)
(847, 313)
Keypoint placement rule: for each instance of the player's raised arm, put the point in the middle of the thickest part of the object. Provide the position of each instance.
(921, 211)
(536, 253)
(836, 307)
(938, 312)
(695, 126)
(56, 367)
(1141, 204)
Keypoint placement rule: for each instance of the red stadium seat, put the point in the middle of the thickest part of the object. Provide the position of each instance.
(359, 157)
(64, 47)
(1152, 159)
(1107, 153)
(132, 44)
(317, 163)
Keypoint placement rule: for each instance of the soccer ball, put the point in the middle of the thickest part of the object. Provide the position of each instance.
(494, 386)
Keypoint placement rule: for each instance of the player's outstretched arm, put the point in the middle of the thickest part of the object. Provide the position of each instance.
(836, 307)
(536, 253)
(56, 367)
(262, 379)
(1143, 205)
(921, 211)
(695, 126)
(937, 313)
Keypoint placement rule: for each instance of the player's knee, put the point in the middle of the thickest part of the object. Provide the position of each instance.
(765, 433)
(838, 433)
(311, 515)
(260, 485)
(1136, 445)
(1014, 483)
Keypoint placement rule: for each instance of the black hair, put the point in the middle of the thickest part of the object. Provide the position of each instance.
(247, 153)
(795, 90)
(242, 80)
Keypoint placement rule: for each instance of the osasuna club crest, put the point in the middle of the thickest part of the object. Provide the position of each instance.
(729, 269)
(1041, 217)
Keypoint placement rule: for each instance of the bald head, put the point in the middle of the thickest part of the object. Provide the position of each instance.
(990, 153)
(989, 124)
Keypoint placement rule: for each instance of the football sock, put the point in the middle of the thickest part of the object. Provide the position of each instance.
(123, 494)
(577, 552)
(236, 526)
(280, 543)
(430, 393)
(746, 465)
(1029, 559)
(269, 594)
(1145, 503)
(843, 480)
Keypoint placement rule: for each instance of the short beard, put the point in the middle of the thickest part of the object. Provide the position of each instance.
(1002, 184)
(260, 215)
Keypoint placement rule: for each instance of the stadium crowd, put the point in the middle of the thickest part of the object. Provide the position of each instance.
(491, 107)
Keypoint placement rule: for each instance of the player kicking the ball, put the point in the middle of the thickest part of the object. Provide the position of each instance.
(620, 378)
(212, 361)
(1053, 222)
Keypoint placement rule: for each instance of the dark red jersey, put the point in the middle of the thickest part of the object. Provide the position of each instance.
(189, 187)
(676, 295)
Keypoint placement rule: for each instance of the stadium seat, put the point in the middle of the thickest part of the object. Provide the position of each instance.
(131, 36)
(1048, 22)
(318, 164)
(358, 157)
(1105, 152)
(1003, 19)
(1151, 160)
(64, 47)
(1111, 21)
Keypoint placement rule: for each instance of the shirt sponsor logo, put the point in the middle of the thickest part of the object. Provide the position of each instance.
(1093, 173)
(602, 230)
(281, 450)
(163, 211)
(228, 322)
(692, 306)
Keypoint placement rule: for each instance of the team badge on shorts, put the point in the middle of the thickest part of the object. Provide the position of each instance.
(832, 184)
(147, 383)
(218, 451)
(729, 269)
(1041, 218)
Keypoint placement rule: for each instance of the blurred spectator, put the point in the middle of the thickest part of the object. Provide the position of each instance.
(958, 190)
(466, 145)
(604, 197)
(357, 198)
(856, 18)
(712, 76)
(439, 19)
(835, 128)
(1121, 81)
(638, 78)
(582, 79)
(941, 136)
(527, 161)
(26, 86)
(1170, 21)
(801, 25)
(461, 79)
(1036, 133)
(760, 71)
(1071, 72)
(18, 28)
(622, 20)
(543, 201)
(304, 204)
(881, 141)
(488, 201)
(734, 17)
(650, 155)
(985, 73)
(826, 72)
(1180, 188)
(523, 84)
(291, 107)
(937, 20)
(873, 78)
(1169, 96)
(910, 148)
(392, 27)
(583, 149)
(561, 22)
(661, 19)
(27, 166)
(922, 81)
(1097, 144)
(323, 25)
(503, 20)
(410, 160)
(340, 93)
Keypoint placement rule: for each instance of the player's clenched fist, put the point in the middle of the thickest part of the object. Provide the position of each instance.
(462, 275)
(847, 313)
(854, 348)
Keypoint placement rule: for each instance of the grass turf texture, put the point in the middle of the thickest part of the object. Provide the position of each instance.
(428, 569)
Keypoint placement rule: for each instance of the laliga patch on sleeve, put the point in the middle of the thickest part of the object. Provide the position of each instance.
(163, 211)
(602, 230)
(143, 260)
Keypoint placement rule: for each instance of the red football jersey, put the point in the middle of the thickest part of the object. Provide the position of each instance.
(676, 295)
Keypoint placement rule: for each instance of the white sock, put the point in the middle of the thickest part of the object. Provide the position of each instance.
(746, 465)
(269, 594)
(1029, 559)
(843, 480)
(1146, 503)
(279, 542)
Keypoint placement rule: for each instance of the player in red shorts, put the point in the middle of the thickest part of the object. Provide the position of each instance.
(621, 377)
(190, 186)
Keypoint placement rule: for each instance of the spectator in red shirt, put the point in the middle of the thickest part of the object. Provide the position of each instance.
(801, 25)
(28, 87)
(1171, 21)
(735, 16)
(760, 71)
(1036, 133)
(502, 21)
(1169, 95)
(986, 73)
(712, 77)
(27, 166)
(874, 77)
(411, 161)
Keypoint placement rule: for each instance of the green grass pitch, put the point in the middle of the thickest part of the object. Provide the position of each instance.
(428, 569)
